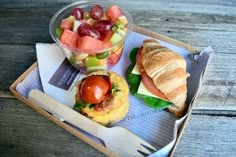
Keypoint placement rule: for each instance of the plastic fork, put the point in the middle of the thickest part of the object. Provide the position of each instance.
(117, 139)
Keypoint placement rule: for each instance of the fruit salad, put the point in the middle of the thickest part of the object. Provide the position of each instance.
(93, 38)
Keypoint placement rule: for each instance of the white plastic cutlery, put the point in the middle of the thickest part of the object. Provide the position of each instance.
(117, 139)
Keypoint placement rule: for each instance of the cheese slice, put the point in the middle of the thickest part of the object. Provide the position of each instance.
(142, 89)
(136, 70)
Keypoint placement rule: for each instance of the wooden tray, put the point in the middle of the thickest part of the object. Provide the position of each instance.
(75, 131)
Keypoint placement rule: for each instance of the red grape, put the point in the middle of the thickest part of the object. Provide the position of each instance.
(86, 29)
(103, 25)
(77, 13)
(96, 12)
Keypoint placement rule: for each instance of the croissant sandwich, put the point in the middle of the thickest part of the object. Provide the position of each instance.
(162, 77)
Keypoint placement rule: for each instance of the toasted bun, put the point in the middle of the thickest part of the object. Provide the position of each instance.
(120, 106)
(168, 72)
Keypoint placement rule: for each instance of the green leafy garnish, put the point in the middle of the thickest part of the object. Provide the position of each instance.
(134, 81)
(114, 88)
(79, 104)
(91, 106)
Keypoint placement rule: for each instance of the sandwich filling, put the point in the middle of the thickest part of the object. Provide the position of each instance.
(159, 73)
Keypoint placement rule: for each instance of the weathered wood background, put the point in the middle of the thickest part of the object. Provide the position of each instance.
(212, 126)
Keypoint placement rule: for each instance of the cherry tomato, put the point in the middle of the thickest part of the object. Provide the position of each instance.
(94, 88)
(147, 81)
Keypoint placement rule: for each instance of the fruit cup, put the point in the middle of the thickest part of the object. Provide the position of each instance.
(91, 33)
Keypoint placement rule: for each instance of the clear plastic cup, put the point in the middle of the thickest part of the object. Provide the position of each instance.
(91, 59)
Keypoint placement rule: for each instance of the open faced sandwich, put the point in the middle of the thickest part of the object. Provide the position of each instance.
(158, 75)
(102, 96)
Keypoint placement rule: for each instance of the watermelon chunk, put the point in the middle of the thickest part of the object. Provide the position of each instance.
(67, 23)
(113, 12)
(113, 59)
(88, 44)
(105, 37)
(70, 38)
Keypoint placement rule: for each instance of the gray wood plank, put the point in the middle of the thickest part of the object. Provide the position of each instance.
(14, 60)
(198, 6)
(218, 91)
(196, 29)
(207, 136)
(199, 29)
(25, 26)
(24, 132)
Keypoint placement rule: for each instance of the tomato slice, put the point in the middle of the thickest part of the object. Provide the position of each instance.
(147, 81)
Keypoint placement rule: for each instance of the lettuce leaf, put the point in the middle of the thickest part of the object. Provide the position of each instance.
(134, 81)
(132, 78)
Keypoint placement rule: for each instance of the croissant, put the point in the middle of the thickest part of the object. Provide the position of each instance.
(168, 72)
